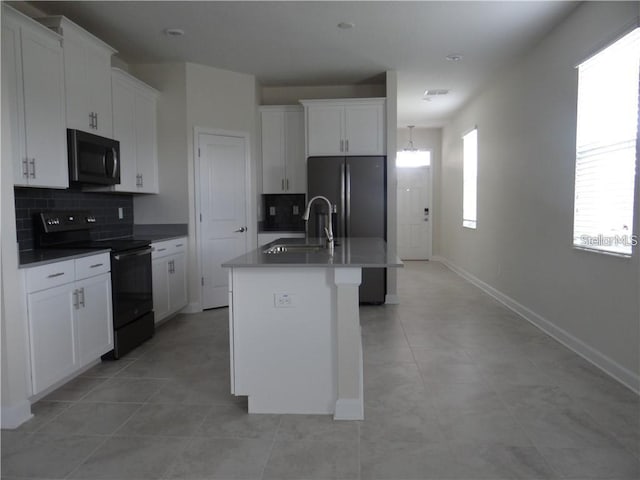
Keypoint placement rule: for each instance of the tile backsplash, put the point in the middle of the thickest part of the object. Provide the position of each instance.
(104, 206)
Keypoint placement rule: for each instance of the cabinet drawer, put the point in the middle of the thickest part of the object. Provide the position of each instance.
(168, 247)
(48, 276)
(92, 266)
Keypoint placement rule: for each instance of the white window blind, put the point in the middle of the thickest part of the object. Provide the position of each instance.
(607, 125)
(413, 158)
(470, 179)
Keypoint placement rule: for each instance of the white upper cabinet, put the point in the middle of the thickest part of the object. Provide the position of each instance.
(283, 160)
(33, 98)
(345, 127)
(134, 126)
(87, 67)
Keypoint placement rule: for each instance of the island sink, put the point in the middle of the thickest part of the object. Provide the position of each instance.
(284, 248)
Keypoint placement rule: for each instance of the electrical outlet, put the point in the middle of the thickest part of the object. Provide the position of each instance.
(296, 210)
(283, 300)
(272, 211)
(120, 213)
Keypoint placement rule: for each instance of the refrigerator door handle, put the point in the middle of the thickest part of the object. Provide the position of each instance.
(340, 221)
(348, 200)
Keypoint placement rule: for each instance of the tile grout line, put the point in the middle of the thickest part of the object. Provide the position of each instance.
(273, 443)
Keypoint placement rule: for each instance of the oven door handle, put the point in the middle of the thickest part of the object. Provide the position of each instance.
(146, 251)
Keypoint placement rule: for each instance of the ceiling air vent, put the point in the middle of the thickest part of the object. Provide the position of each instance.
(435, 92)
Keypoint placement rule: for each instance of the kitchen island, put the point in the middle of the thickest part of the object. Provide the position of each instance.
(294, 325)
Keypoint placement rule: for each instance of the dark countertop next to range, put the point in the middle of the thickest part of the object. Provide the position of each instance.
(35, 258)
(159, 232)
(348, 252)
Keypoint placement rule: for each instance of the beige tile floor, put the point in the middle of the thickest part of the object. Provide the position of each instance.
(456, 387)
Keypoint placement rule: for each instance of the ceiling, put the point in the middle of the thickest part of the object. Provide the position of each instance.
(299, 43)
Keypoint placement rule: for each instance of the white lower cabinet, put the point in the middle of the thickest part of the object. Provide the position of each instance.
(169, 262)
(70, 317)
(95, 333)
(52, 335)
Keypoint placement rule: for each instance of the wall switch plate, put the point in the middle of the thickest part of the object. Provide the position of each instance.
(120, 213)
(283, 300)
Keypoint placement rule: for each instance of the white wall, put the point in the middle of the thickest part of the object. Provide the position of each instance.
(15, 406)
(392, 181)
(290, 95)
(224, 100)
(523, 245)
(171, 205)
(428, 139)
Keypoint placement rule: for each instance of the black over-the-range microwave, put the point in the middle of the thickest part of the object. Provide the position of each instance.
(93, 159)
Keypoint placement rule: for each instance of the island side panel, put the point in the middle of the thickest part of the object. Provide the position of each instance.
(284, 351)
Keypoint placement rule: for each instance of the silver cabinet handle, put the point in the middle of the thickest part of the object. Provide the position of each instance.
(54, 275)
(179, 244)
(96, 265)
(32, 162)
(342, 145)
(75, 299)
(25, 168)
(240, 230)
(81, 297)
(287, 184)
(96, 116)
(90, 119)
(282, 184)
(161, 249)
(141, 180)
(346, 145)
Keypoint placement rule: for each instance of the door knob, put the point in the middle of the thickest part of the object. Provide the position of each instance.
(240, 230)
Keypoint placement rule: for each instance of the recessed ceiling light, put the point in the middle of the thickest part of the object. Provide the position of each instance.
(173, 32)
(346, 25)
(454, 57)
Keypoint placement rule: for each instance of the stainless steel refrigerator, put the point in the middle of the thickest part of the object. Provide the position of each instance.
(357, 188)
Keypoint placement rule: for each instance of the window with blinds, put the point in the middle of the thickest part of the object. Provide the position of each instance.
(607, 129)
(470, 179)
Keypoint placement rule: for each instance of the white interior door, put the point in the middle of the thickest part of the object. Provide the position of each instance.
(414, 211)
(222, 192)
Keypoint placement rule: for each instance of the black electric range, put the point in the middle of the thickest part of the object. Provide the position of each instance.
(131, 277)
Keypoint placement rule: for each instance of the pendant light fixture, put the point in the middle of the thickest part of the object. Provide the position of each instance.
(410, 147)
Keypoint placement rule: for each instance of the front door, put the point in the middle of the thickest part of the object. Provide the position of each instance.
(414, 213)
(223, 212)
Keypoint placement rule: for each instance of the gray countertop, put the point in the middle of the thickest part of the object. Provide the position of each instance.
(158, 237)
(349, 252)
(35, 258)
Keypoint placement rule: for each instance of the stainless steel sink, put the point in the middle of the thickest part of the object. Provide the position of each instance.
(282, 248)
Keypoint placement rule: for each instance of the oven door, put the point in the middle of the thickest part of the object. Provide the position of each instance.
(131, 285)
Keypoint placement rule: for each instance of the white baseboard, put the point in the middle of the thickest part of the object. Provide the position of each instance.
(620, 373)
(392, 299)
(349, 409)
(438, 258)
(193, 307)
(16, 415)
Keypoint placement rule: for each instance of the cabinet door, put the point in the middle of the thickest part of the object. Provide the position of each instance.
(145, 135)
(273, 153)
(98, 78)
(364, 130)
(76, 86)
(52, 335)
(177, 282)
(160, 278)
(94, 318)
(324, 130)
(44, 110)
(124, 131)
(12, 105)
(296, 164)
